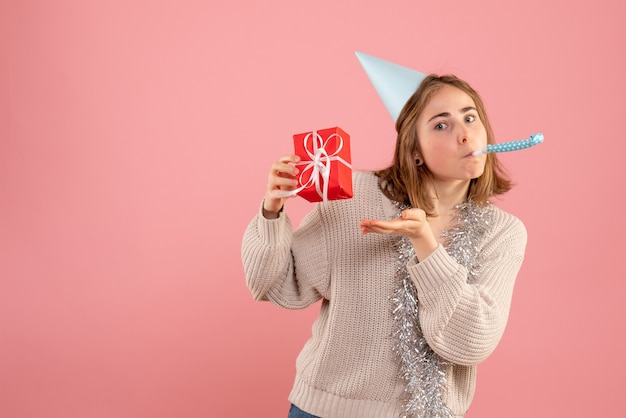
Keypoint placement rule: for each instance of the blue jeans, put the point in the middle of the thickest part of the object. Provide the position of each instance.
(295, 412)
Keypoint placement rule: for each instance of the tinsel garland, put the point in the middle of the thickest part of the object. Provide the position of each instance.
(422, 370)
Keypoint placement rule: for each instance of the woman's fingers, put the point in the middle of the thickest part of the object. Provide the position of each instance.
(281, 178)
(410, 224)
(414, 214)
(284, 165)
(282, 175)
(380, 226)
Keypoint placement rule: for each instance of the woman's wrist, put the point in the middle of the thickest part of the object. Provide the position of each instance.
(271, 214)
(424, 246)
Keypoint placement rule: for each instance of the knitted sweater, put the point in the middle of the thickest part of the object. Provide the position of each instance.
(348, 368)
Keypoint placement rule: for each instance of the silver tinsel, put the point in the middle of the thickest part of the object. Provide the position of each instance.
(422, 370)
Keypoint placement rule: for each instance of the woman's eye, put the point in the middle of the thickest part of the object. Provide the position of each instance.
(440, 126)
(470, 118)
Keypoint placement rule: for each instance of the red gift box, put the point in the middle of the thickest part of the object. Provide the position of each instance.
(325, 170)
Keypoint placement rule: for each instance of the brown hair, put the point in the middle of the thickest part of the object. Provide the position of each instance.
(404, 181)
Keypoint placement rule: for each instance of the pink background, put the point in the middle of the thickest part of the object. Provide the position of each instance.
(135, 138)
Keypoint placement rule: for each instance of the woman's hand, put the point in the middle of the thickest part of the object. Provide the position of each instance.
(281, 178)
(412, 224)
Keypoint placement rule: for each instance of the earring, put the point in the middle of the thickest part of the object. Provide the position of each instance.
(418, 162)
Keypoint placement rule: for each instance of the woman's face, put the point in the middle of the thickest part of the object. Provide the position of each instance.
(449, 130)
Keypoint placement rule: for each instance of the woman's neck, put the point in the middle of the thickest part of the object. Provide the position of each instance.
(447, 195)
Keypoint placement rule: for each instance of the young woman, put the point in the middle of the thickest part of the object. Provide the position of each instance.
(415, 272)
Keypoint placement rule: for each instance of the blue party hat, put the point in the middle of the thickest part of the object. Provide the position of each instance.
(394, 83)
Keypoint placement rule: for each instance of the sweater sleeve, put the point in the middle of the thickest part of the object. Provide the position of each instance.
(463, 322)
(270, 266)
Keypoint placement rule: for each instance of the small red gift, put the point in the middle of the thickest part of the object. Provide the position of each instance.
(325, 170)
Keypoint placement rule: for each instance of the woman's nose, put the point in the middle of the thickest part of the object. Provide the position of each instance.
(463, 135)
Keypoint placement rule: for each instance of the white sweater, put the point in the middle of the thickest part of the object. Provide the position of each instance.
(348, 368)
